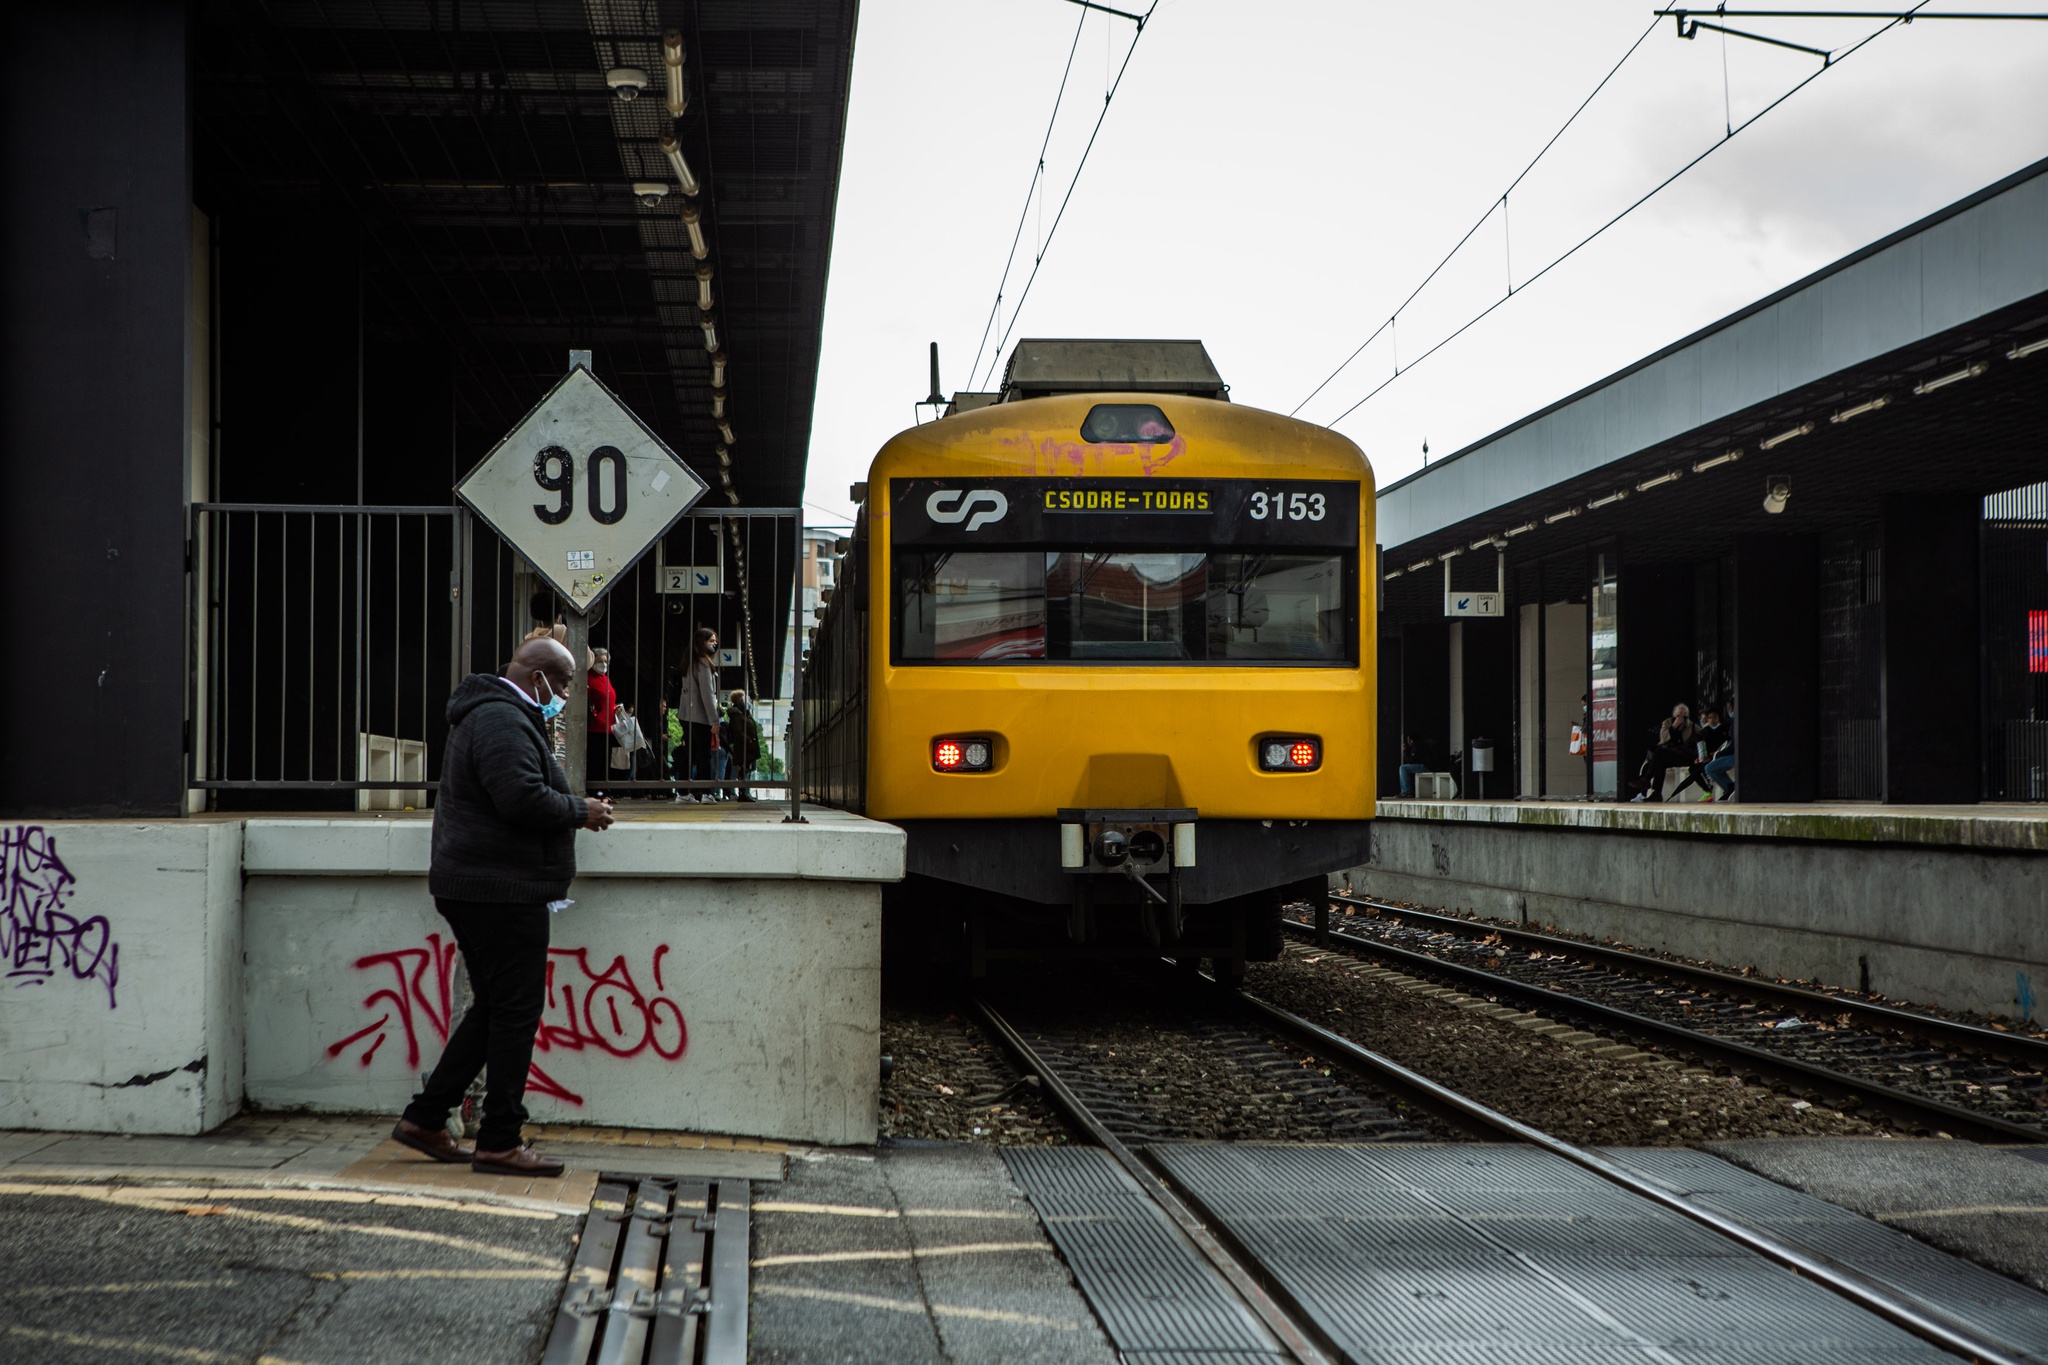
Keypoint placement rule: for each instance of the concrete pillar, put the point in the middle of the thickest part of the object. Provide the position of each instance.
(95, 267)
(1932, 689)
(1777, 667)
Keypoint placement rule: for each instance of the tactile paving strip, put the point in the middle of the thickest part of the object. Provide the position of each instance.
(1158, 1300)
(1998, 1308)
(1512, 1254)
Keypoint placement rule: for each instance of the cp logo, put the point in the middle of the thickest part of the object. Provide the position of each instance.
(950, 506)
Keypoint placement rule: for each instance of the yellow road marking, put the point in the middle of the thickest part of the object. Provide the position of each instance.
(192, 1355)
(132, 1287)
(427, 1274)
(859, 1211)
(938, 1310)
(832, 1257)
(146, 1199)
(314, 1196)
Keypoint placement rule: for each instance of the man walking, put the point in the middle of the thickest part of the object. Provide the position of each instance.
(505, 828)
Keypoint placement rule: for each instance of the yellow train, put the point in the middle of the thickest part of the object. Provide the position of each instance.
(1103, 645)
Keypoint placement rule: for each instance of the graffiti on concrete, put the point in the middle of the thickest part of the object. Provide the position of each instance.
(39, 939)
(588, 1008)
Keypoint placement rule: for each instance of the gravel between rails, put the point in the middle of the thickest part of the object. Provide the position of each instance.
(2015, 1094)
(950, 1083)
(1595, 1093)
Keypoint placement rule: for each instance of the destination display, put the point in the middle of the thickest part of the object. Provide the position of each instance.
(1322, 513)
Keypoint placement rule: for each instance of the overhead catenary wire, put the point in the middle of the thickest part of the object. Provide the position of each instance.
(1836, 59)
(1499, 203)
(1039, 260)
(1037, 174)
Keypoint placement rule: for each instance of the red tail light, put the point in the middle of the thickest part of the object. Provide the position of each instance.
(963, 754)
(1289, 753)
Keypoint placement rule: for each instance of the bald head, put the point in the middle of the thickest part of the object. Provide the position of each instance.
(543, 658)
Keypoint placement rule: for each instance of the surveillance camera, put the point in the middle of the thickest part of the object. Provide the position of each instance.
(1777, 492)
(650, 192)
(626, 82)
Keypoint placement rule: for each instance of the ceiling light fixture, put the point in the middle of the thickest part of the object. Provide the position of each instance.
(732, 498)
(1777, 492)
(1483, 542)
(693, 223)
(1393, 574)
(1451, 553)
(724, 457)
(1881, 401)
(704, 286)
(672, 64)
(1556, 517)
(1420, 564)
(685, 177)
(1517, 530)
(1668, 476)
(1716, 461)
(2022, 352)
(1616, 496)
(1956, 377)
(725, 430)
(718, 369)
(1794, 434)
(718, 402)
(709, 325)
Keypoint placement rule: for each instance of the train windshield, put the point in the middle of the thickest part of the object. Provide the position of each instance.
(1124, 606)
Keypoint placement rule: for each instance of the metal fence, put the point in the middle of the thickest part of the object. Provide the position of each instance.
(325, 641)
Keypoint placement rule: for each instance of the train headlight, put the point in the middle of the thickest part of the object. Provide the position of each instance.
(963, 754)
(1290, 753)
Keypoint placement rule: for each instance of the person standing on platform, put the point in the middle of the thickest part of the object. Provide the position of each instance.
(604, 709)
(696, 701)
(742, 739)
(504, 854)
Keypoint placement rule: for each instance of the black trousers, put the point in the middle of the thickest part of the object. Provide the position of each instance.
(505, 950)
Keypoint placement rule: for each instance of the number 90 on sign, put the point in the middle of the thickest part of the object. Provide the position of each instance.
(554, 470)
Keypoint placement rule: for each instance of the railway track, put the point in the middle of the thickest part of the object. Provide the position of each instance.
(1921, 1072)
(1299, 1328)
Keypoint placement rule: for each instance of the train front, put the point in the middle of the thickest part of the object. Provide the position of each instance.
(1120, 680)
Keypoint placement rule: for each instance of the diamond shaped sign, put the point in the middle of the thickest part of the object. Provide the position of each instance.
(581, 488)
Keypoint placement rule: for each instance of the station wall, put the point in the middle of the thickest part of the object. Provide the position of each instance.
(1939, 911)
(716, 977)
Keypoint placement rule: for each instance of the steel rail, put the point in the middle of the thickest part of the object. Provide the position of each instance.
(1944, 1117)
(1304, 1343)
(1922, 1319)
(2009, 1047)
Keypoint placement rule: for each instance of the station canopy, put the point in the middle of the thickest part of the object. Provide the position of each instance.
(478, 151)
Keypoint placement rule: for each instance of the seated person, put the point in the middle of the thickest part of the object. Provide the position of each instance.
(1413, 761)
(1717, 744)
(1677, 739)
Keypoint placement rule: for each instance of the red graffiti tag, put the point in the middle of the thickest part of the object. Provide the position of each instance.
(605, 1010)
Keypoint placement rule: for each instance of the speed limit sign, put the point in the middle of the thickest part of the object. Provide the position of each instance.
(581, 488)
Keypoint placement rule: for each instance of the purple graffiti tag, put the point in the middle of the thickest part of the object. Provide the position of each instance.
(38, 938)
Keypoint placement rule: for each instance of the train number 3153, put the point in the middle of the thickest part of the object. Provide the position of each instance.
(1287, 506)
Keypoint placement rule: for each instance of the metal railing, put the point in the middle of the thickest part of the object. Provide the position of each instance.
(324, 641)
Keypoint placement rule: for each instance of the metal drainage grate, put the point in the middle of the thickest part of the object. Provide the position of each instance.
(660, 1277)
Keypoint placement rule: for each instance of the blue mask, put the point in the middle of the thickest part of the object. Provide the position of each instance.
(552, 707)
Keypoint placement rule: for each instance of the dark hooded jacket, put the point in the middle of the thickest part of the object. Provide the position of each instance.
(504, 820)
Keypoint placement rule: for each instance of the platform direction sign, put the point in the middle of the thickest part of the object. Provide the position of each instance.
(581, 487)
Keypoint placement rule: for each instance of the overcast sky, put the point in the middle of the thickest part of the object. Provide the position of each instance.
(1275, 178)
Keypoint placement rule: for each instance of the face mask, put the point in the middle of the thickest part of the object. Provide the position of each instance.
(552, 707)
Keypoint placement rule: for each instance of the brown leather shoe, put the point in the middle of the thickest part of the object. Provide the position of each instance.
(437, 1143)
(520, 1160)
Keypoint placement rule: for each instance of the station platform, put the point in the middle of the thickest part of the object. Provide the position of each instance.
(1935, 905)
(718, 969)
